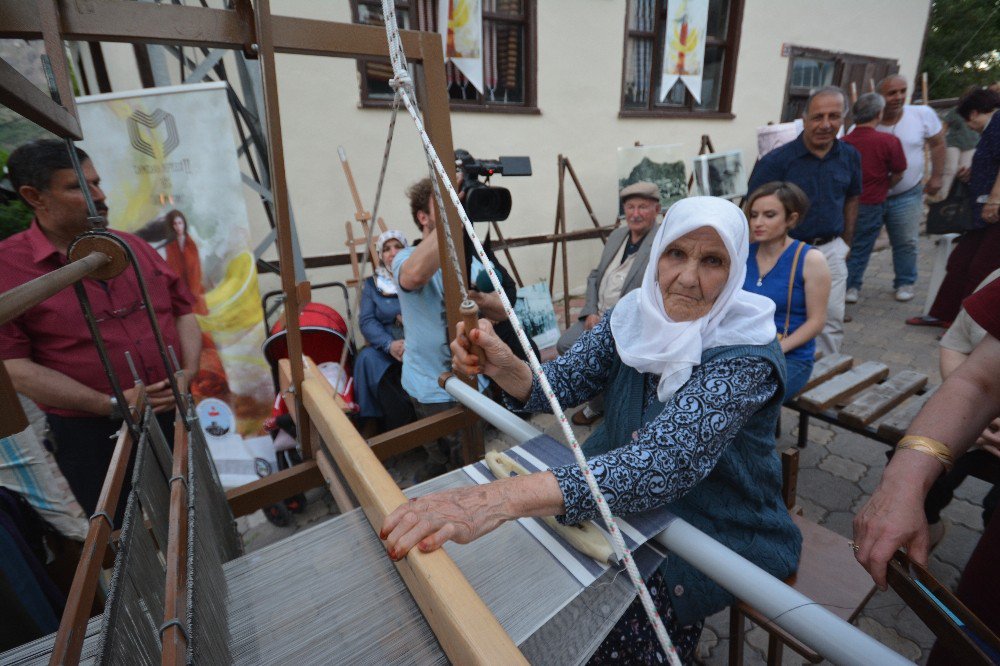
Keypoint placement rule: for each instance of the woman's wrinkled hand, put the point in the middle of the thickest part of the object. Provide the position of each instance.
(498, 355)
(460, 515)
(396, 349)
(893, 518)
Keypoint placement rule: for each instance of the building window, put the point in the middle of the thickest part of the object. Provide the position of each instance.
(508, 65)
(645, 30)
(810, 69)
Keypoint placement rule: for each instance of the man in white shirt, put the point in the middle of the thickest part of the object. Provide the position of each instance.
(915, 126)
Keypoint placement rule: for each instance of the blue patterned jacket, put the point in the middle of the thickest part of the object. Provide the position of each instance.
(708, 455)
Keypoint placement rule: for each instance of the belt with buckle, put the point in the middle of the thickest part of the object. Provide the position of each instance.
(822, 240)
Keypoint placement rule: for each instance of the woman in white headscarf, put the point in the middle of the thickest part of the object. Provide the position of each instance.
(694, 373)
(377, 370)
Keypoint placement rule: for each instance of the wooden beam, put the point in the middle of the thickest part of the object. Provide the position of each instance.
(412, 435)
(344, 258)
(282, 219)
(24, 98)
(273, 488)
(73, 624)
(55, 51)
(334, 481)
(174, 638)
(467, 631)
(178, 25)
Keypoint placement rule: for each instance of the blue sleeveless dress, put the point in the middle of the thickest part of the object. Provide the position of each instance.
(774, 285)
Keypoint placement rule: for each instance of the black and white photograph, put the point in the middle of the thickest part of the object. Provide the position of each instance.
(721, 174)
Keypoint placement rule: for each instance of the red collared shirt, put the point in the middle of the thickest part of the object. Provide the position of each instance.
(55, 334)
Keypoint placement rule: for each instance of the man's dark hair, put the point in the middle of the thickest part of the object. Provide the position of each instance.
(33, 163)
(420, 194)
(982, 100)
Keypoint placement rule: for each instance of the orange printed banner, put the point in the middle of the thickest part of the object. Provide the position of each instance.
(684, 46)
(460, 22)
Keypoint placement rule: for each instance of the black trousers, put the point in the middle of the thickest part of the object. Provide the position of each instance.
(83, 446)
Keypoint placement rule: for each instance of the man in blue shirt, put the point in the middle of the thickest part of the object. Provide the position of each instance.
(417, 271)
(829, 172)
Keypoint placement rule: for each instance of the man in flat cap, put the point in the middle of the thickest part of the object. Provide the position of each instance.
(618, 272)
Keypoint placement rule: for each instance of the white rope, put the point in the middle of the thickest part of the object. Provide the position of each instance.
(402, 79)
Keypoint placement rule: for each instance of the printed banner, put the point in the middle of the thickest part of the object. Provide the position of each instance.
(684, 46)
(461, 23)
(168, 163)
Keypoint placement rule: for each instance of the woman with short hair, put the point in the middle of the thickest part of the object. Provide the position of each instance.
(791, 273)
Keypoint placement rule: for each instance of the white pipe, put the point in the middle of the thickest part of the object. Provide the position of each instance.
(797, 614)
(492, 413)
(800, 616)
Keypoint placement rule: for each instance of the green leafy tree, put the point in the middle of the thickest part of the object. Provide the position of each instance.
(14, 215)
(963, 46)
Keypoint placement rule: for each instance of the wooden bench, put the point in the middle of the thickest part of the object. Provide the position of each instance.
(864, 398)
(855, 396)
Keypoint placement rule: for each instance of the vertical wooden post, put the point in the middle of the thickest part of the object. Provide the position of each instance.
(282, 223)
(437, 121)
(555, 228)
(562, 222)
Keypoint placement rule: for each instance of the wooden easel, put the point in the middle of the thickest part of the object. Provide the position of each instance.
(705, 149)
(364, 217)
(560, 235)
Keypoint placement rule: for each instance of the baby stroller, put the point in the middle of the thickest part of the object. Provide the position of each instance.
(324, 334)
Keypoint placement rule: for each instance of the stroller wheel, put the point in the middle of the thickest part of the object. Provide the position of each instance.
(278, 514)
(296, 503)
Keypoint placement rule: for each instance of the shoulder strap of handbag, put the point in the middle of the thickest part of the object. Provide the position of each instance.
(791, 286)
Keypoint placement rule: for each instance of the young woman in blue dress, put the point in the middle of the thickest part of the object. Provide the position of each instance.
(791, 273)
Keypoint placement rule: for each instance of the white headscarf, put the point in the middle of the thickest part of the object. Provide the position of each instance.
(650, 341)
(383, 277)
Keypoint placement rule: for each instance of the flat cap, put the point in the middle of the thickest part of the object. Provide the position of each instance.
(643, 189)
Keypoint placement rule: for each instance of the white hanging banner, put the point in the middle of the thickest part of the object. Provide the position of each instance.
(684, 46)
(461, 23)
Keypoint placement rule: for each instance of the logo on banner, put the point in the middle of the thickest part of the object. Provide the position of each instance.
(684, 46)
(151, 121)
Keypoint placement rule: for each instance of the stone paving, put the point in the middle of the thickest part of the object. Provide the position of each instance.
(838, 472)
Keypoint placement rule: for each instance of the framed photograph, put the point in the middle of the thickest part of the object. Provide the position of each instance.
(721, 174)
(534, 309)
(662, 165)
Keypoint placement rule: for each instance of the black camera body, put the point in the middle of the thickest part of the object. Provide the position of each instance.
(483, 202)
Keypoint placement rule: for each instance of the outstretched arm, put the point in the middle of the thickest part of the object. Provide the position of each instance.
(956, 415)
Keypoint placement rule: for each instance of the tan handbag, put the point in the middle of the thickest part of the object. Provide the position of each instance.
(791, 285)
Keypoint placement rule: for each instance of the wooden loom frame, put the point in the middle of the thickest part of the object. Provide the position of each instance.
(462, 623)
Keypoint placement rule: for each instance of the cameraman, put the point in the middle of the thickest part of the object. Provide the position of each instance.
(417, 271)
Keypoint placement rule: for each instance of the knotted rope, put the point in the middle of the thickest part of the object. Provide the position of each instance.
(401, 81)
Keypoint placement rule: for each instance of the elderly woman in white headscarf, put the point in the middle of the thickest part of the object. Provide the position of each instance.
(693, 375)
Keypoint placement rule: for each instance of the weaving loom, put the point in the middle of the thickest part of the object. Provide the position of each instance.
(181, 591)
(325, 593)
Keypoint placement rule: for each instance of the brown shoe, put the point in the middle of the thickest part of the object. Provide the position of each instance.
(586, 416)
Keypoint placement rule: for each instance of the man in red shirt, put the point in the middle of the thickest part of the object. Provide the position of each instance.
(882, 165)
(48, 351)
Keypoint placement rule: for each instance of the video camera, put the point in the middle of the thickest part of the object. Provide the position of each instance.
(484, 203)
